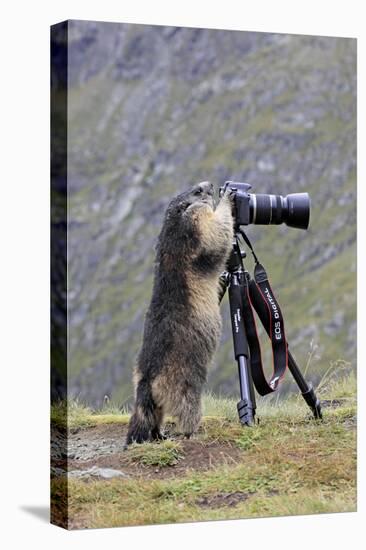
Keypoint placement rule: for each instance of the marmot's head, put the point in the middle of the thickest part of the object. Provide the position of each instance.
(199, 193)
(178, 227)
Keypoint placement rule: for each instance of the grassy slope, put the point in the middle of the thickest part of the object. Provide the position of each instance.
(288, 465)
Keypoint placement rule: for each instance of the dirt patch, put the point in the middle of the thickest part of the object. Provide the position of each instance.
(103, 447)
(222, 499)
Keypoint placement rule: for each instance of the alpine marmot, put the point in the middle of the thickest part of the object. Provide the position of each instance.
(183, 323)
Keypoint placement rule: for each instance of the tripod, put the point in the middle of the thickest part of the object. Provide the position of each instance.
(236, 279)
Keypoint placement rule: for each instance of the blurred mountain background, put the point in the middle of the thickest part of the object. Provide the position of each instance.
(153, 110)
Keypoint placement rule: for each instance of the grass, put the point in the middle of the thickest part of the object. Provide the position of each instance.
(287, 464)
(219, 406)
(76, 414)
(345, 386)
(309, 469)
(150, 454)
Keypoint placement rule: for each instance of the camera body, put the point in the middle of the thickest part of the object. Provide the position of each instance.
(263, 209)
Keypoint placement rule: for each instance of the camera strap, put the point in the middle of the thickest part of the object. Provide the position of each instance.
(259, 297)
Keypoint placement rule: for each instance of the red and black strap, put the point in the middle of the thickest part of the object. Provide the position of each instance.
(259, 296)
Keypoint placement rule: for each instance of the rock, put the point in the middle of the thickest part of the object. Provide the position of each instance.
(94, 471)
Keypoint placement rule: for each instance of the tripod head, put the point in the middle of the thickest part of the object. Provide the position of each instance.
(236, 257)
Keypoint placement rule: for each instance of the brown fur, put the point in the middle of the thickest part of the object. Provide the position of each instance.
(183, 324)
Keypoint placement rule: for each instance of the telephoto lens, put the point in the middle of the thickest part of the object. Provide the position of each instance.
(293, 210)
(261, 209)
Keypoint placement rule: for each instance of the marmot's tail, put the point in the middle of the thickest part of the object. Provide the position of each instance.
(143, 419)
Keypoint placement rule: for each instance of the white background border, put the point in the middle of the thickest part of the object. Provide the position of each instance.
(24, 272)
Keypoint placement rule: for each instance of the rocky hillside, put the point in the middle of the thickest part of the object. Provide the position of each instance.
(152, 110)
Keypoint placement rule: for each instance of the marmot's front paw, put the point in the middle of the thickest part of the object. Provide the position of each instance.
(229, 195)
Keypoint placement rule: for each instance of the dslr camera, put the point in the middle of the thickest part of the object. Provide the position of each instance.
(262, 209)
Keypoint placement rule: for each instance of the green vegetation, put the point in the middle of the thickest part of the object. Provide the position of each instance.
(167, 453)
(75, 414)
(287, 464)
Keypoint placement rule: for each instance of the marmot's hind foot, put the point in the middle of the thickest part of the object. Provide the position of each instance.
(157, 435)
(138, 431)
(137, 438)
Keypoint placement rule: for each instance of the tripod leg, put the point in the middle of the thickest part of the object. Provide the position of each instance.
(306, 389)
(246, 405)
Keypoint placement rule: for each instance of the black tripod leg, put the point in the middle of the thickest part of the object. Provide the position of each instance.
(246, 405)
(306, 389)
